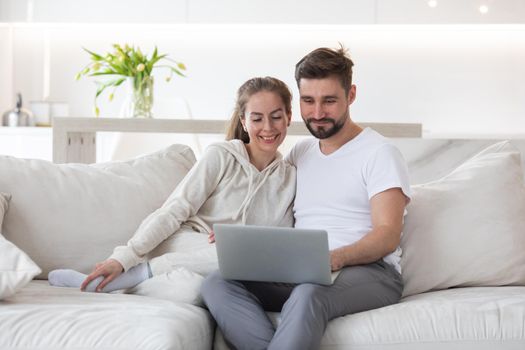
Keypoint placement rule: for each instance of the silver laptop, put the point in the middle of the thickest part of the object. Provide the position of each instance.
(273, 254)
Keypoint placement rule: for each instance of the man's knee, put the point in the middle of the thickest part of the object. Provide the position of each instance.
(307, 291)
(211, 285)
(309, 297)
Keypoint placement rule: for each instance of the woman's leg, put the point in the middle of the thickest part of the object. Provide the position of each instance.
(184, 249)
(128, 279)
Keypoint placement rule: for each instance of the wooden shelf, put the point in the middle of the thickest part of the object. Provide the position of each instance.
(74, 139)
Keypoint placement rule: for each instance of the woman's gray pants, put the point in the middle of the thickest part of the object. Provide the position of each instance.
(239, 306)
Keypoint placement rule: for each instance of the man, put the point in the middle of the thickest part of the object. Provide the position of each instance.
(352, 183)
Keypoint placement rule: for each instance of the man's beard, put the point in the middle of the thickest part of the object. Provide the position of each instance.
(329, 129)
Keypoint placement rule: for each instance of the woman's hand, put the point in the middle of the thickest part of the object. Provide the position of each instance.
(110, 269)
(211, 237)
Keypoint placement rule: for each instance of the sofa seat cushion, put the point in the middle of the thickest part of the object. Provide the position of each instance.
(462, 318)
(44, 317)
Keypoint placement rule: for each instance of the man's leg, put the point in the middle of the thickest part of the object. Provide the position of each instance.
(310, 306)
(239, 309)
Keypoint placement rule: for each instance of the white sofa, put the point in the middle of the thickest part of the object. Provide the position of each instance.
(463, 262)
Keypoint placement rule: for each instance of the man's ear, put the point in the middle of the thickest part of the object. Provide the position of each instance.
(351, 94)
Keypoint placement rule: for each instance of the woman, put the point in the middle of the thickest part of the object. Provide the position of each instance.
(240, 181)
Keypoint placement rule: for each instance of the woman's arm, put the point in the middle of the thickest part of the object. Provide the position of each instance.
(184, 202)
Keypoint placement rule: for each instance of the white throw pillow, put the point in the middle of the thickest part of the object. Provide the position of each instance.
(16, 269)
(74, 215)
(468, 228)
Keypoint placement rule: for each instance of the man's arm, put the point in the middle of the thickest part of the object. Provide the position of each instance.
(387, 210)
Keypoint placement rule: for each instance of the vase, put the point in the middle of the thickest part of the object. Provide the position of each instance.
(139, 101)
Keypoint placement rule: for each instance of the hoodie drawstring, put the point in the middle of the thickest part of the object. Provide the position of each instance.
(238, 149)
(246, 199)
(246, 203)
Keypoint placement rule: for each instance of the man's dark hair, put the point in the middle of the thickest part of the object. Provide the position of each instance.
(324, 62)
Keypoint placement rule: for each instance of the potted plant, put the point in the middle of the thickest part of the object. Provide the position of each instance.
(127, 63)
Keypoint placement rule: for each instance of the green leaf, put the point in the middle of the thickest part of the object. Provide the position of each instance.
(178, 72)
(127, 68)
(119, 50)
(106, 71)
(154, 53)
(103, 86)
(139, 54)
(102, 73)
(100, 89)
(94, 56)
(118, 68)
(119, 82)
(151, 63)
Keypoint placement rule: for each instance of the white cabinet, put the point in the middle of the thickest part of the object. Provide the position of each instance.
(262, 11)
(37, 143)
(27, 142)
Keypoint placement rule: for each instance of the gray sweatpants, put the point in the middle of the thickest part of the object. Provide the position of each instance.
(239, 306)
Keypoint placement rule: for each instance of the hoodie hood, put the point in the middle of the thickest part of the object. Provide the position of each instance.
(256, 178)
(237, 148)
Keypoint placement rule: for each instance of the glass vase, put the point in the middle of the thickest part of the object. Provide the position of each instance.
(140, 98)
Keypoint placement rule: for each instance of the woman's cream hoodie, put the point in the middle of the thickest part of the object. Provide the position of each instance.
(223, 187)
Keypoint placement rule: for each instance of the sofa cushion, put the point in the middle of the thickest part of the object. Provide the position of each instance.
(16, 268)
(484, 318)
(45, 317)
(74, 215)
(4, 205)
(468, 228)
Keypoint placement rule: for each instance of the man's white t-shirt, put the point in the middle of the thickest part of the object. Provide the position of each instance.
(334, 191)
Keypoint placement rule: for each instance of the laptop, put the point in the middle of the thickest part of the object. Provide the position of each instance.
(273, 254)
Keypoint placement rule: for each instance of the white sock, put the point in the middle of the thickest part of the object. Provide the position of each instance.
(72, 278)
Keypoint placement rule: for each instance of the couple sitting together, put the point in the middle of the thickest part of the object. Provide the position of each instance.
(350, 182)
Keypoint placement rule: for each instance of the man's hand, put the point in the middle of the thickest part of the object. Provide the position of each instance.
(110, 269)
(211, 237)
(337, 261)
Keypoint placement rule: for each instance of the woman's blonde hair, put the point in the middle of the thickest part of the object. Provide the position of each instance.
(247, 90)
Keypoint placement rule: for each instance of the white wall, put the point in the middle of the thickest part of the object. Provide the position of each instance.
(456, 79)
(6, 75)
